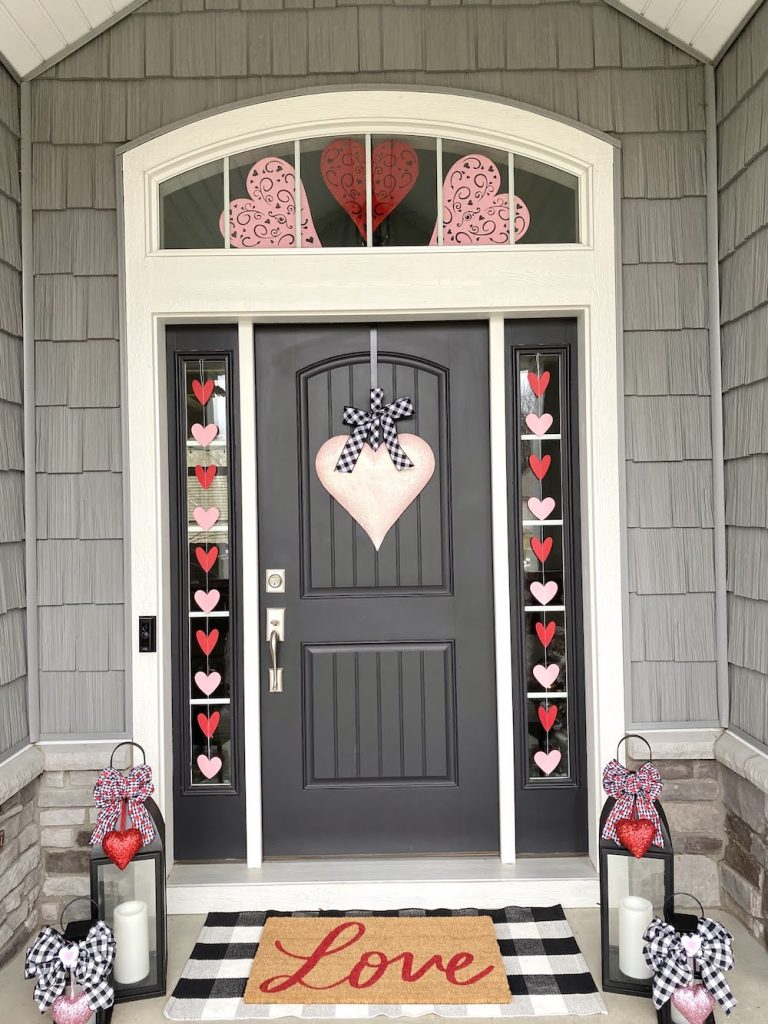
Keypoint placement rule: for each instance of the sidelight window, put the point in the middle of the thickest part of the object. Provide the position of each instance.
(369, 191)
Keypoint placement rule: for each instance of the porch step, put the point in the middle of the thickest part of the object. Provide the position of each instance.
(383, 884)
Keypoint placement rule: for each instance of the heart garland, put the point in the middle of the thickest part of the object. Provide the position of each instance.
(266, 221)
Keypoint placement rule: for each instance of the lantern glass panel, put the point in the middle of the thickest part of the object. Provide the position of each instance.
(635, 894)
(127, 900)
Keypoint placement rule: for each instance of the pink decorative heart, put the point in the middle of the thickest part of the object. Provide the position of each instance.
(694, 1002)
(538, 424)
(206, 517)
(375, 493)
(541, 507)
(267, 219)
(691, 944)
(68, 955)
(206, 602)
(204, 435)
(209, 766)
(207, 682)
(544, 592)
(473, 211)
(71, 1009)
(546, 675)
(547, 763)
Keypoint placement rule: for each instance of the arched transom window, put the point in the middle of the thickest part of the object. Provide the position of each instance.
(367, 191)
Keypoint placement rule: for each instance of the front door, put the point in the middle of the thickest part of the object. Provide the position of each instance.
(383, 739)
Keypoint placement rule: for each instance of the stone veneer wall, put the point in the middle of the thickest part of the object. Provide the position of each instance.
(20, 869)
(692, 801)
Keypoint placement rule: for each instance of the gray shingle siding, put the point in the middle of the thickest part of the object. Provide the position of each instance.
(742, 89)
(14, 722)
(178, 58)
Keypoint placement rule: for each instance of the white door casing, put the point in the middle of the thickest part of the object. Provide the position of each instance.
(343, 284)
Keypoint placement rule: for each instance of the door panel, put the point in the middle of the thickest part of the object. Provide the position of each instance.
(383, 740)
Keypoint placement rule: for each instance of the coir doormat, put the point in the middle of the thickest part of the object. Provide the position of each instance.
(546, 975)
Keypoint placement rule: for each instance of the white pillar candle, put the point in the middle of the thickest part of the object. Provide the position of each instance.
(131, 929)
(635, 914)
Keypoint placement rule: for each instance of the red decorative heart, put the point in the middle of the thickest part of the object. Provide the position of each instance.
(202, 391)
(541, 548)
(205, 475)
(206, 559)
(540, 466)
(394, 170)
(635, 835)
(122, 847)
(207, 641)
(538, 384)
(208, 725)
(545, 633)
(547, 716)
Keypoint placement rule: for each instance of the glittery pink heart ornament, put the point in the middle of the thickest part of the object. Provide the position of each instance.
(71, 1009)
(375, 493)
(694, 1002)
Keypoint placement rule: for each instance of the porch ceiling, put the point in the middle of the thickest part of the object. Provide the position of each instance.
(34, 33)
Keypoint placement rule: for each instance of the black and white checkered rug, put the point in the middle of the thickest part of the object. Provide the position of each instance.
(547, 974)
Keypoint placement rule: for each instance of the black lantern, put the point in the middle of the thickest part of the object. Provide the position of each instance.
(682, 923)
(632, 891)
(132, 902)
(77, 931)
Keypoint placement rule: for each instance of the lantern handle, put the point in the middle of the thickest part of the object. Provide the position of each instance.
(634, 736)
(76, 900)
(675, 894)
(128, 743)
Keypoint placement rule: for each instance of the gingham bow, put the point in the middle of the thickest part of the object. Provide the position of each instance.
(667, 958)
(112, 788)
(91, 969)
(637, 791)
(374, 427)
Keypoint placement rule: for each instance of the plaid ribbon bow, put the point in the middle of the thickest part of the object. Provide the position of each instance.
(632, 790)
(374, 427)
(666, 957)
(91, 969)
(112, 788)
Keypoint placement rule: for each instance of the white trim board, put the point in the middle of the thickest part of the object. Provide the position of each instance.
(335, 285)
(384, 884)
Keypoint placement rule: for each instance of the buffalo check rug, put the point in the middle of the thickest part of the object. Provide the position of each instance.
(546, 972)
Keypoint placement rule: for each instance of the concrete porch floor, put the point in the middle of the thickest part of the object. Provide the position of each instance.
(747, 980)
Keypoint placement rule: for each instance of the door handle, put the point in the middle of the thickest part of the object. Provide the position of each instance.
(275, 633)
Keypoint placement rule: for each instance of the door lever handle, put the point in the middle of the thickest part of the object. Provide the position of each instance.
(275, 633)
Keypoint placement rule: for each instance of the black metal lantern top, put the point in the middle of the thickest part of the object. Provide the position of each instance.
(132, 902)
(632, 890)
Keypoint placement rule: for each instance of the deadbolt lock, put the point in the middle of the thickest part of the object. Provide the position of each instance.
(275, 581)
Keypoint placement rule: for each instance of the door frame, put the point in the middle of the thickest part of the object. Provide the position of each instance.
(579, 280)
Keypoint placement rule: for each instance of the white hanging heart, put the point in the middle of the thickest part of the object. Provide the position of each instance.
(375, 493)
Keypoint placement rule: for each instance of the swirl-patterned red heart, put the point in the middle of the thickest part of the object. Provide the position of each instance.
(635, 835)
(122, 847)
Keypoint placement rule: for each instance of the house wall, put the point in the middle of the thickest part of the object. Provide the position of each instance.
(14, 724)
(177, 58)
(742, 94)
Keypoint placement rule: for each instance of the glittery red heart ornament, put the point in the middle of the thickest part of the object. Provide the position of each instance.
(122, 847)
(635, 835)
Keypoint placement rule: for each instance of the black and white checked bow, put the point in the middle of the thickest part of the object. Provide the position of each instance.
(667, 958)
(91, 968)
(374, 427)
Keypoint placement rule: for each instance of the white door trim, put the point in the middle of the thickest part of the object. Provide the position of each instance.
(247, 287)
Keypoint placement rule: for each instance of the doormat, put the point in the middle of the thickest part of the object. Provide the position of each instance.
(546, 973)
(393, 960)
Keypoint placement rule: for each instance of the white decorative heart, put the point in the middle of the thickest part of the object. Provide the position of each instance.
(68, 955)
(546, 675)
(691, 944)
(544, 592)
(375, 493)
(538, 424)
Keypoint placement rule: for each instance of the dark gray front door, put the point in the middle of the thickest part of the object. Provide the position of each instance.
(383, 740)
